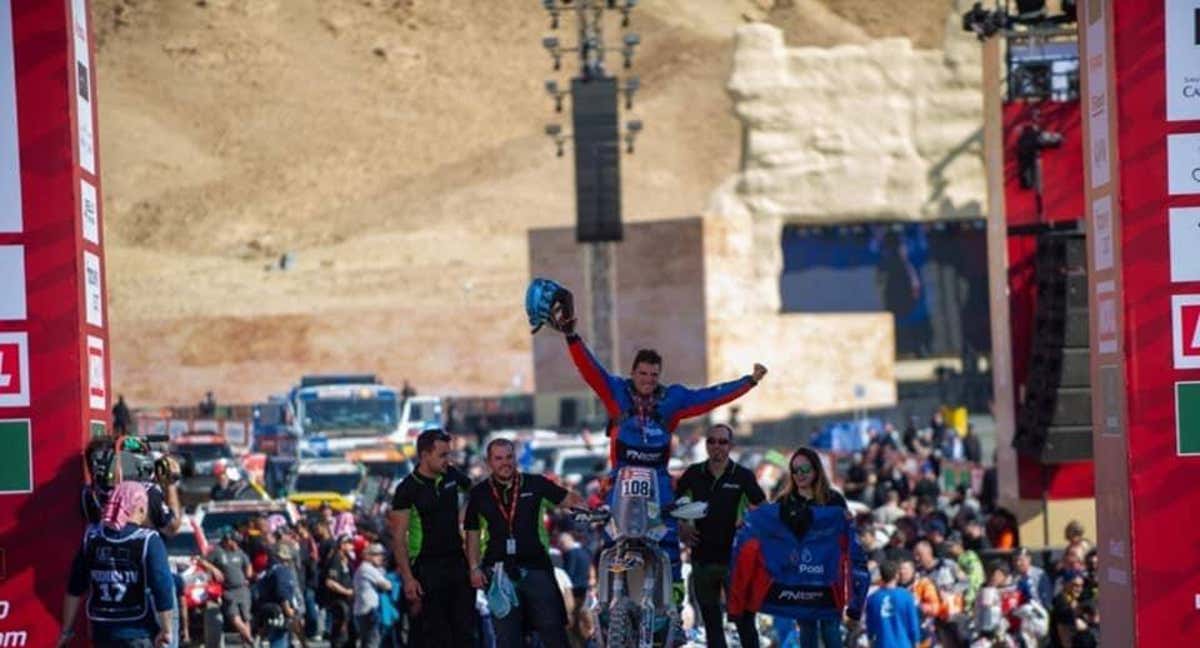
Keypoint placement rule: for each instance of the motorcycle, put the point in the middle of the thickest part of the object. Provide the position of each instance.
(633, 591)
(202, 600)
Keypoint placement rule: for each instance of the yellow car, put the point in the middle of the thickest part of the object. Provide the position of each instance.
(337, 482)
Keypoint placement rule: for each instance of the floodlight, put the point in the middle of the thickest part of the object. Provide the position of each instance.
(632, 128)
(554, 131)
(631, 86)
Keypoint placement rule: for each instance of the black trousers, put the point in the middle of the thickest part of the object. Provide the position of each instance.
(339, 610)
(541, 611)
(447, 617)
(707, 583)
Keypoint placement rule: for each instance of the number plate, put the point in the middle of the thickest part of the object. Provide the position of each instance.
(636, 483)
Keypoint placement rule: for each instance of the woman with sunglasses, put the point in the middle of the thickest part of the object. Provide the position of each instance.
(808, 485)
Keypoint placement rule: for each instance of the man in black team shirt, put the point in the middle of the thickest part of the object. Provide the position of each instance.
(510, 506)
(428, 548)
(729, 490)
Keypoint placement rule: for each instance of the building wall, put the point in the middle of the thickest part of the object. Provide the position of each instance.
(660, 300)
(686, 288)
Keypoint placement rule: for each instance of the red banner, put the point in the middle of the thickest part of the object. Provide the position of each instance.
(53, 346)
(1142, 84)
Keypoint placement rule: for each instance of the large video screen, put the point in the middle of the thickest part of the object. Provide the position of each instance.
(931, 276)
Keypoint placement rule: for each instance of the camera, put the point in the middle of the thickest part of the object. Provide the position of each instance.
(166, 471)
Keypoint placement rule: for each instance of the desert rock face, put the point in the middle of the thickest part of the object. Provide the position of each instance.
(394, 149)
(864, 131)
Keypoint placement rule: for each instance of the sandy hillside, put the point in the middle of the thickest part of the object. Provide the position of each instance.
(394, 148)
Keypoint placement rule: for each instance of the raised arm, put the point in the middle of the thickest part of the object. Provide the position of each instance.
(690, 402)
(603, 383)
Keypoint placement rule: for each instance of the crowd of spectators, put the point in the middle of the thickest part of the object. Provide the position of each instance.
(924, 505)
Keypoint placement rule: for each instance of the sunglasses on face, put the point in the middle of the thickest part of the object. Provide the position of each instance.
(714, 441)
(803, 469)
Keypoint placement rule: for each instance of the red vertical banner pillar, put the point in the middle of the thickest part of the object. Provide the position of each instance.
(1142, 83)
(53, 343)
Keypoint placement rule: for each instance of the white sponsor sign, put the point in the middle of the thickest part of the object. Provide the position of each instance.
(1102, 233)
(1184, 224)
(1185, 331)
(97, 390)
(14, 369)
(89, 211)
(1097, 104)
(1183, 164)
(83, 86)
(1106, 317)
(1182, 19)
(12, 282)
(10, 144)
(93, 292)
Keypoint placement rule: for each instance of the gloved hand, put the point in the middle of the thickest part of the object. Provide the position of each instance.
(563, 316)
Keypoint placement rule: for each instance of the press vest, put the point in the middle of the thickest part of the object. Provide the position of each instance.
(116, 571)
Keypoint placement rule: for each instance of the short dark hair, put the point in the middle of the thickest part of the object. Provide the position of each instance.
(497, 443)
(649, 356)
(429, 437)
(721, 426)
(888, 570)
(998, 565)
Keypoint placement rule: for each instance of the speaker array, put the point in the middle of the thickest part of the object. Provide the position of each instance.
(1054, 423)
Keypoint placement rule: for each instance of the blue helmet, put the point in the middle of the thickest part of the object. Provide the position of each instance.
(540, 299)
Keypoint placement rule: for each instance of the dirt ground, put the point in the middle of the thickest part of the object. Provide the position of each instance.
(393, 149)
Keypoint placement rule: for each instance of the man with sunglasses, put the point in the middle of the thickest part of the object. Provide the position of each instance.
(730, 489)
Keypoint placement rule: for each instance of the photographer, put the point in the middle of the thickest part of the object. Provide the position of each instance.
(159, 475)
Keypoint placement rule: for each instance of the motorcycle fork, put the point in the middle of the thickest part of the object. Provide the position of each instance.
(649, 586)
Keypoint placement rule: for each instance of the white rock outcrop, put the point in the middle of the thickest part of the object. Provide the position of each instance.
(853, 133)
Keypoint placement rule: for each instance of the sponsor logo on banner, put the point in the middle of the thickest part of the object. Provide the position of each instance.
(1097, 104)
(14, 369)
(1106, 317)
(89, 211)
(1102, 233)
(1187, 418)
(1182, 20)
(1183, 164)
(83, 86)
(1185, 330)
(1184, 225)
(12, 283)
(10, 145)
(97, 390)
(16, 474)
(92, 289)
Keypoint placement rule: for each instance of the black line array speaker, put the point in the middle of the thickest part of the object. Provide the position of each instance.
(597, 160)
(1054, 422)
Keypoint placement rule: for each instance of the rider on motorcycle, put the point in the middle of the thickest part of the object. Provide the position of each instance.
(643, 415)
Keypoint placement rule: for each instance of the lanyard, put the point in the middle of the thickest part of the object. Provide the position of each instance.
(510, 515)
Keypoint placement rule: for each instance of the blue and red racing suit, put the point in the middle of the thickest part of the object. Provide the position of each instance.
(640, 428)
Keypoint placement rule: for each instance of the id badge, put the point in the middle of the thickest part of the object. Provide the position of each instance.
(510, 547)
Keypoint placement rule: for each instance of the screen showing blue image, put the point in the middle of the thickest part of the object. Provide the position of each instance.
(932, 277)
